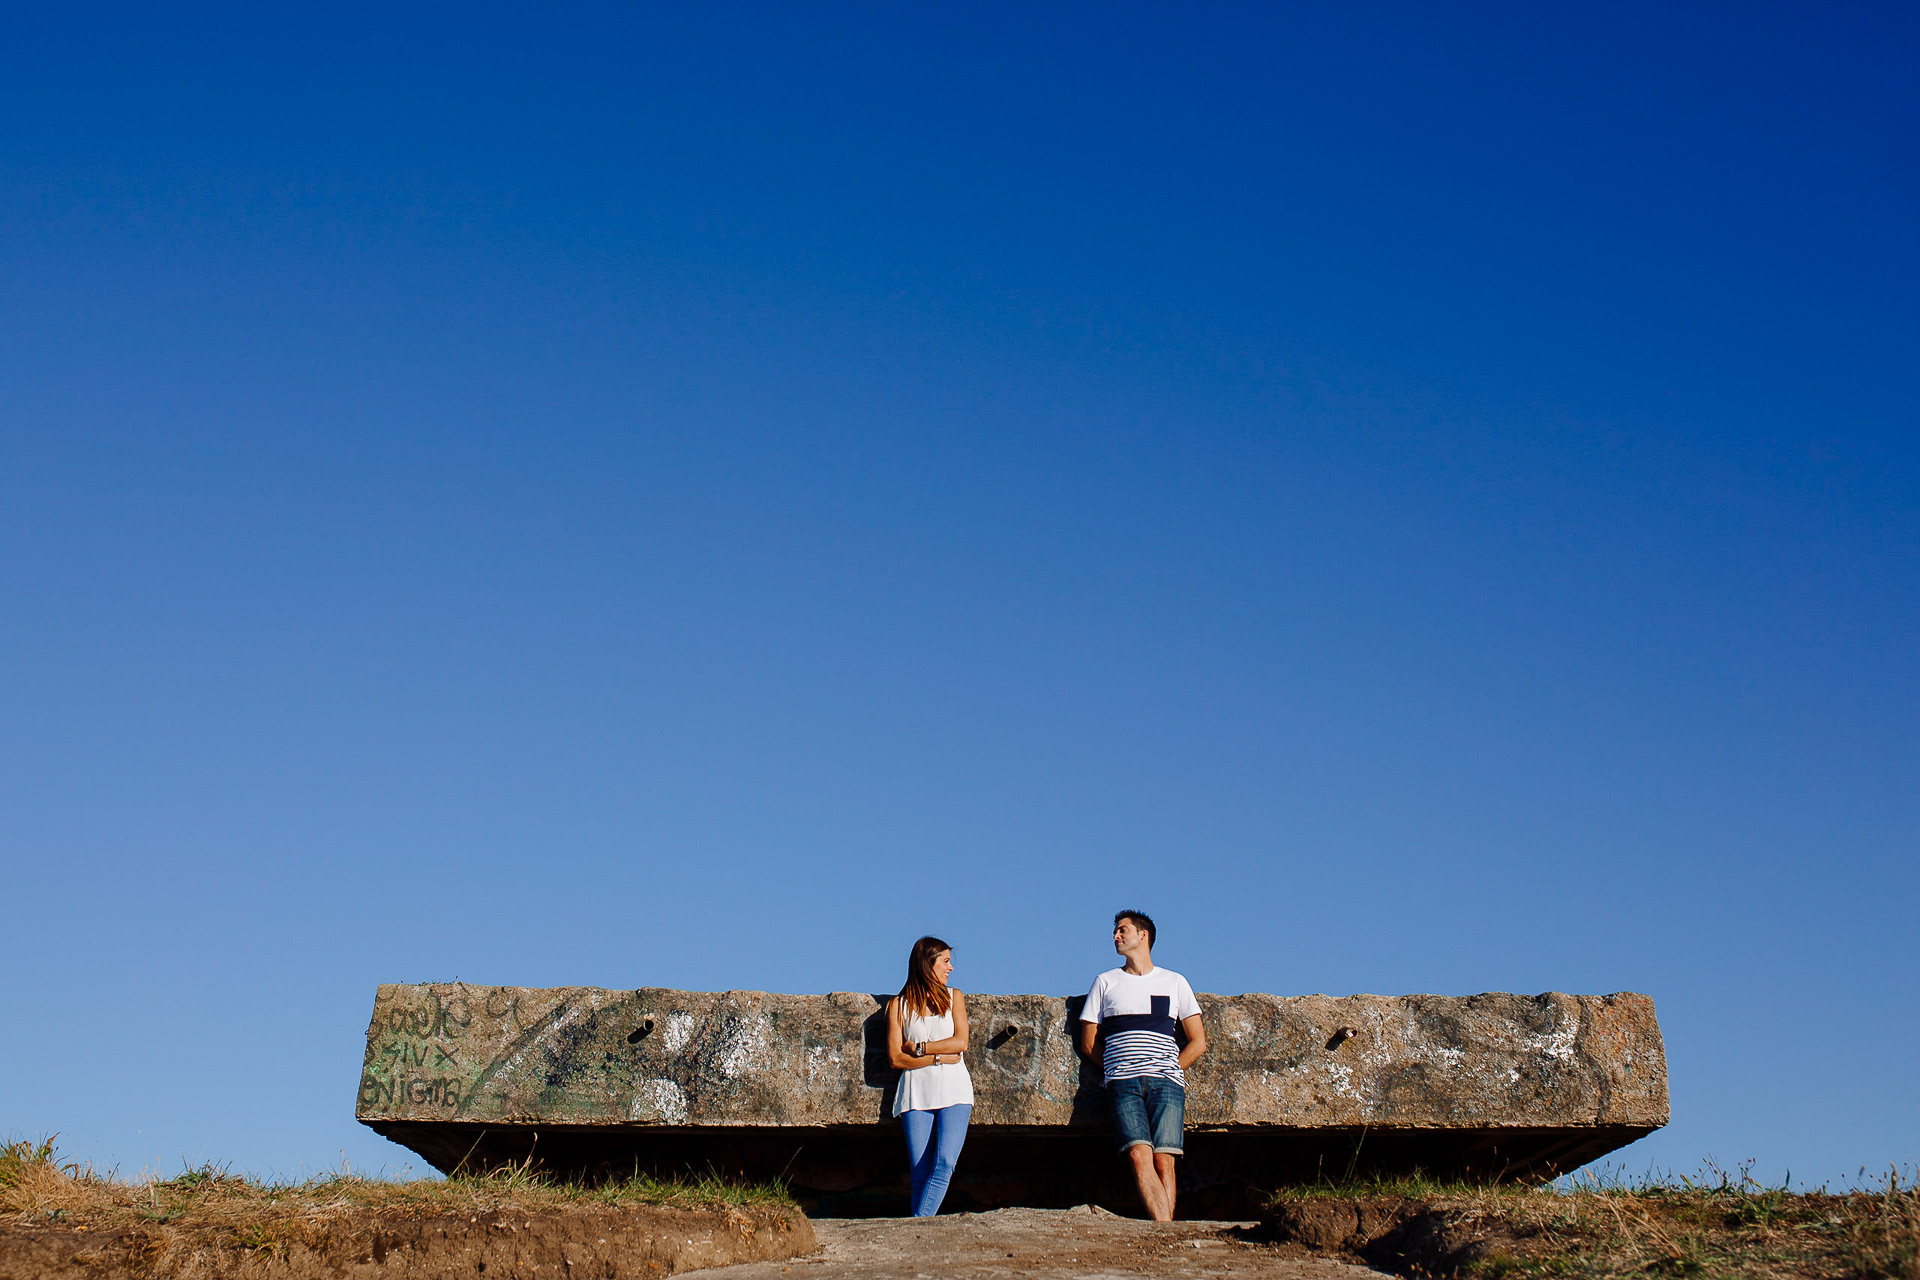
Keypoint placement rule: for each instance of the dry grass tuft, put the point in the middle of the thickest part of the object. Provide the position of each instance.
(35, 1184)
(1886, 1242)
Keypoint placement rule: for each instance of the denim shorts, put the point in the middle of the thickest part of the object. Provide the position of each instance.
(1148, 1110)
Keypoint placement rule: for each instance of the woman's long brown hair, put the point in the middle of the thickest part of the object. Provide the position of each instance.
(924, 993)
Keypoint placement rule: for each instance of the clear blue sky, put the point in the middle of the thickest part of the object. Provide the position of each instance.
(1418, 498)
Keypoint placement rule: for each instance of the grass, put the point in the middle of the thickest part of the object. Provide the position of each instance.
(39, 1188)
(1720, 1225)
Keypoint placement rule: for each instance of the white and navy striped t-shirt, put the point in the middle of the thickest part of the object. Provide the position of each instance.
(1140, 1012)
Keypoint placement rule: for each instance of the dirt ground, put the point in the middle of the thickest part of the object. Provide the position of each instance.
(1054, 1244)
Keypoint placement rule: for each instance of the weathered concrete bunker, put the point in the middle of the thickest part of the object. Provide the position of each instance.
(590, 1081)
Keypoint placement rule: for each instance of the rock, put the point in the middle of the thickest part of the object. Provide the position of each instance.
(1498, 1086)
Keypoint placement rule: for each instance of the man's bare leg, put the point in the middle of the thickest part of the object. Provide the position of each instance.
(1163, 1165)
(1152, 1190)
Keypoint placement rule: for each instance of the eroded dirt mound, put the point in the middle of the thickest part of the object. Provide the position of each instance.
(1340, 1225)
(1414, 1237)
(574, 1243)
(1748, 1231)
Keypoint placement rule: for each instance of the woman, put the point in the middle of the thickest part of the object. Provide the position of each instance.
(926, 1036)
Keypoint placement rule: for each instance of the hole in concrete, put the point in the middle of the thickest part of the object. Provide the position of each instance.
(1001, 1036)
(1340, 1037)
(641, 1032)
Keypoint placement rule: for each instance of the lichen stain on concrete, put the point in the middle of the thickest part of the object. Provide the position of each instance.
(659, 1102)
(679, 1032)
(742, 1046)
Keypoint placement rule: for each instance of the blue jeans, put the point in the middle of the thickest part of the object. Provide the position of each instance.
(1148, 1111)
(933, 1145)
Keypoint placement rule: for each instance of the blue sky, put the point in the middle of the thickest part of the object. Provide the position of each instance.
(1421, 499)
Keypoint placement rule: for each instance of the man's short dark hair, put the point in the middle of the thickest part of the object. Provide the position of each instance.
(1141, 920)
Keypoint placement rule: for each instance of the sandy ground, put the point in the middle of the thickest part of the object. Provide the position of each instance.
(1059, 1244)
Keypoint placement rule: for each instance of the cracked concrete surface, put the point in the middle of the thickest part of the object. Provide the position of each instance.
(1054, 1244)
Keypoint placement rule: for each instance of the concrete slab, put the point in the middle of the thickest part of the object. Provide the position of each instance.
(758, 1084)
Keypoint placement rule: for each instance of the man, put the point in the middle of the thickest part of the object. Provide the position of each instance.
(1136, 1010)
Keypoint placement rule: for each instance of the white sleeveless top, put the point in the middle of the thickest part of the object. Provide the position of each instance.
(930, 1088)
